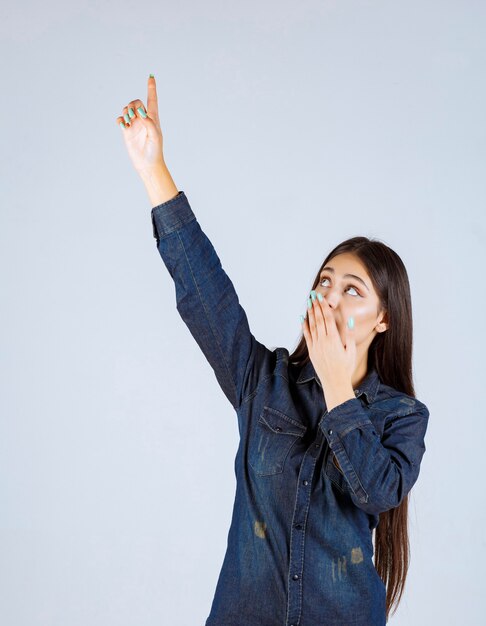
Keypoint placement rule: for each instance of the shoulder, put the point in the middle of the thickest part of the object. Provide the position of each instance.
(398, 403)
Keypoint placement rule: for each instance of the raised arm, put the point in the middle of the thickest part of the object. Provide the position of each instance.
(207, 301)
(205, 296)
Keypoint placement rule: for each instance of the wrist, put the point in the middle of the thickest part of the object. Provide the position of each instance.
(159, 184)
(337, 395)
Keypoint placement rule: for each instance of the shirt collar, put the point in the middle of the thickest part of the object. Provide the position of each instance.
(369, 386)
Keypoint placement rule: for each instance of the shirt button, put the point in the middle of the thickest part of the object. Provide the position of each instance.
(278, 429)
(295, 577)
(330, 432)
(306, 482)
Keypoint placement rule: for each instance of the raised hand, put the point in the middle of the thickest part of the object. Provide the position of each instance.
(142, 132)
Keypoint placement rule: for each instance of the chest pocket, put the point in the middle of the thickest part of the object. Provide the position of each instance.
(271, 439)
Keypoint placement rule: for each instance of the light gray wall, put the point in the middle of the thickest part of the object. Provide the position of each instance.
(290, 126)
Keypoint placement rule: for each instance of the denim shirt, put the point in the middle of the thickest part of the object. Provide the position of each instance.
(310, 483)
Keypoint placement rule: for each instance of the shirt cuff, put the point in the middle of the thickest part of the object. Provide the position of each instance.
(344, 418)
(171, 215)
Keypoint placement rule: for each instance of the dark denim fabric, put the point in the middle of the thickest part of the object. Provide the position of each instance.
(309, 483)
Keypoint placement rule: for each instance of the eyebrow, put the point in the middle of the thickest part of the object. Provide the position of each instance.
(331, 269)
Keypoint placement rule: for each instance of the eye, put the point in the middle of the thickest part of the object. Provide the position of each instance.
(323, 278)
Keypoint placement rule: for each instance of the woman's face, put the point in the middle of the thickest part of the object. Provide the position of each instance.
(351, 296)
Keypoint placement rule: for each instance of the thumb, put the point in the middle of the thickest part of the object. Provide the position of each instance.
(150, 124)
(151, 127)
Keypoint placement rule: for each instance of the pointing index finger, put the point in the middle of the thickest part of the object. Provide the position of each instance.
(152, 104)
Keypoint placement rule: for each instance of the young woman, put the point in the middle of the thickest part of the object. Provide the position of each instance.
(331, 436)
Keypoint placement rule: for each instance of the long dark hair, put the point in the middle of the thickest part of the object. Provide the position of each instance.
(391, 354)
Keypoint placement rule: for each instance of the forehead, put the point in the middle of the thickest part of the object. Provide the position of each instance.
(348, 263)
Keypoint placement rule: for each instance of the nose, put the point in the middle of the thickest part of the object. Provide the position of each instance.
(332, 298)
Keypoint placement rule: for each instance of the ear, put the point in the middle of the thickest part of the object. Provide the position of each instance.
(383, 323)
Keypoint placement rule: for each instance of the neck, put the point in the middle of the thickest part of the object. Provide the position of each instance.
(360, 372)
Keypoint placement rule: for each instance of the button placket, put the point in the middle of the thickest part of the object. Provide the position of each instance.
(297, 540)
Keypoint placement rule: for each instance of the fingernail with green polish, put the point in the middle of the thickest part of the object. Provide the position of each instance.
(122, 124)
(313, 294)
(319, 297)
(126, 118)
(131, 112)
(302, 319)
(142, 112)
(351, 322)
(309, 303)
(151, 76)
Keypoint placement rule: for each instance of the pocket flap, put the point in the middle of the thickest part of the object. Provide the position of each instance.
(280, 423)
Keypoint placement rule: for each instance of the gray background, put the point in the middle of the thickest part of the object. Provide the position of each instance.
(290, 126)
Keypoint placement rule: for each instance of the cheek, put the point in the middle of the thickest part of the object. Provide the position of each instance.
(362, 313)
(364, 318)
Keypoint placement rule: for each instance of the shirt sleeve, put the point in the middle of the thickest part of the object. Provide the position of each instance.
(380, 471)
(207, 301)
